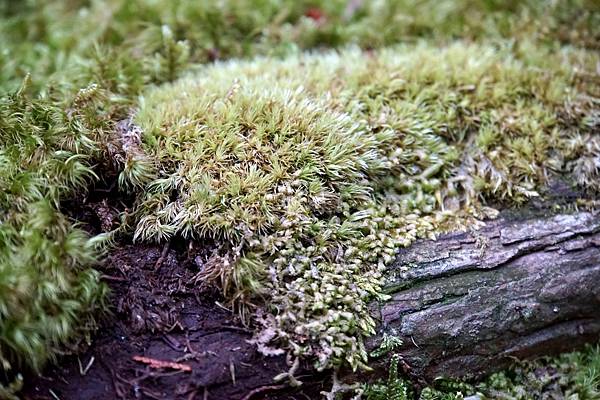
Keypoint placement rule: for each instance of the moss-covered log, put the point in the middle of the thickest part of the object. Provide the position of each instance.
(519, 287)
(468, 305)
(472, 302)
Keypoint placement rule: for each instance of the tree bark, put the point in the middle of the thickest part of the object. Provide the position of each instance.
(469, 303)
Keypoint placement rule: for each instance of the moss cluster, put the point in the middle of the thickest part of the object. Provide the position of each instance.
(569, 376)
(48, 291)
(312, 171)
(120, 39)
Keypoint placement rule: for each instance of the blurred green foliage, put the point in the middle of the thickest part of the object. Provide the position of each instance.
(48, 291)
(53, 40)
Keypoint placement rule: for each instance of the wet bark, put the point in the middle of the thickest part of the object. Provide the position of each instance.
(469, 303)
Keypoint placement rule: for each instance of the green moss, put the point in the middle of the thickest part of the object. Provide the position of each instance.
(395, 388)
(48, 291)
(309, 171)
(55, 39)
(573, 375)
(312, 171)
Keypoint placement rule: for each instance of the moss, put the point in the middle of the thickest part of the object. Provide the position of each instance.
(312, 171)
(55, 39)
(395, 388)
(48, 291)
(343, 159)
(573, 375)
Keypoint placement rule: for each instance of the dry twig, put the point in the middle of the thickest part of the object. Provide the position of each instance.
(158, 364)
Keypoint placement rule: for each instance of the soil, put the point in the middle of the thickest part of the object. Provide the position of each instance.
(158, 310)
(160, 313)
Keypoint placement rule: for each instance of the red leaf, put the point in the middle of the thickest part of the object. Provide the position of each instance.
(315, 13)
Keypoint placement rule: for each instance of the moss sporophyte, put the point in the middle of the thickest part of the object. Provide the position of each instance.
(311, 171)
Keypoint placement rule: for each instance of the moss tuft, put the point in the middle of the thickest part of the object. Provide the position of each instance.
(48, 293)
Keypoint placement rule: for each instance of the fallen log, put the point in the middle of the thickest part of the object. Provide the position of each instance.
(469, 303)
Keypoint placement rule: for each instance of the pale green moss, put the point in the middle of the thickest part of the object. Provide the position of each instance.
(311, 171)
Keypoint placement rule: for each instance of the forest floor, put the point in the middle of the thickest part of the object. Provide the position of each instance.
(161, 211)
(159, 315)
(159, 312)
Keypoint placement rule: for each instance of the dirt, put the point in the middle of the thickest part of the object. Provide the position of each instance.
(162, 314)
(158, 310)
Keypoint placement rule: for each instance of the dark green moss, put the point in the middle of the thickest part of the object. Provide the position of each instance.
(569, 376)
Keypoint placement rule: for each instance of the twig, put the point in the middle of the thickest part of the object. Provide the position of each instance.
(163, 254)
(176, 324)
(235, 328)
(84, 371)
(415, 343)
(232, 371)
(261, 389)
(150, 394)
(112, 278)
(158, 364)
